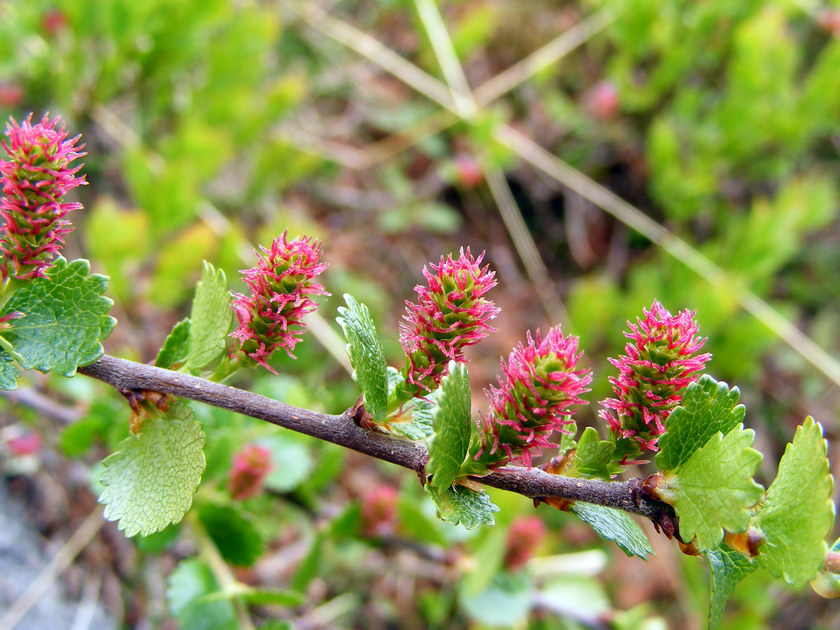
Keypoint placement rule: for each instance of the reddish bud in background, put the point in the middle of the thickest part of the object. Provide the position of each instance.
(661, 360)
(379, 511)
(526, 533)
(468, 171)
(53, 22)
(602, 101)
(249, 469)
(829, 21)
(27, 444)
(11, 94)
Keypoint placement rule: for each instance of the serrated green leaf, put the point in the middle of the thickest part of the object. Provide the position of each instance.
(366, 355)
(615, 525)
(798, 512)
(727, 567)
(592, 457)
(458, 504)
(452, 427)
(189, 592)
(210, 317)
(714, 489)
(175, 346)
(234, 535)
(505, 602)
(9, 372)
(65, 319)
(150, 481)
(708, 407)
(421, 413)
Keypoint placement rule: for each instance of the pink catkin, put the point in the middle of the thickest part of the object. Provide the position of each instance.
(282, 285)
(379, 511)
(451, 314)
(660, 361)
(35, 178)
(250, 467)
(539, 385)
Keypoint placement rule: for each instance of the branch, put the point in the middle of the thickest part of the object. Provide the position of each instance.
(128, 376)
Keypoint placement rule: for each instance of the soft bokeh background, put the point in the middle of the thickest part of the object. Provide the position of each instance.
(213, 125)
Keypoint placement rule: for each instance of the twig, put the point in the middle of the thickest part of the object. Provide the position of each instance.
(342, 430)
(35, 591)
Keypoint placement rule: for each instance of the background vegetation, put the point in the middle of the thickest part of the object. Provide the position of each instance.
(213, 125)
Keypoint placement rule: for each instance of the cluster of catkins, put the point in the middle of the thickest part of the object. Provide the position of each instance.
(541, 380)
(539, 384)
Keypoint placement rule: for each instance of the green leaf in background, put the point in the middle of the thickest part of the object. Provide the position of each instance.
(233, 533)
(417, 524)
(9, 372)
(458, 504)
(592, 457)
(366, 355)
(615, 525)
(505, 602)
(188, 593)
(707, 407)
(259, 596)
(452, 427)
(310, 566)
(291, 462)
(210, 317)
(727, 567)
(150, 481)
(175, 346)
(714, 489)
(66, 318)
(798, 512)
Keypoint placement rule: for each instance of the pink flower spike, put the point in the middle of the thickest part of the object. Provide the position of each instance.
(36, 176)
(282, 285)
(526, 533)
(660, 361)
(451, 314)
(539, 385)
(249, 469)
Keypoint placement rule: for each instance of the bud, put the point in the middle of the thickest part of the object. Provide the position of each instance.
(35, 178)
(379, 511)
(526, 533)
(602, 101)
(661, 360)
(11, 94)
(249, 469)
(451, 314)
(468, 171)
(27, 443)
(281, 288)
(539, 384)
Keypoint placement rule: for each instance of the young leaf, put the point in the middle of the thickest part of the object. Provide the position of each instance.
(420, 426)
(175, 346)
(592, 457)
(9, 372)
(714, 489)
(150, 481)
(366, 355)
(727, 568)
(615, 525)
(210, 317)
(452, 427)
(708, 407)
(189, 592)
(458, 504)
(236, 536)
(66, 317)
(798, 512)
